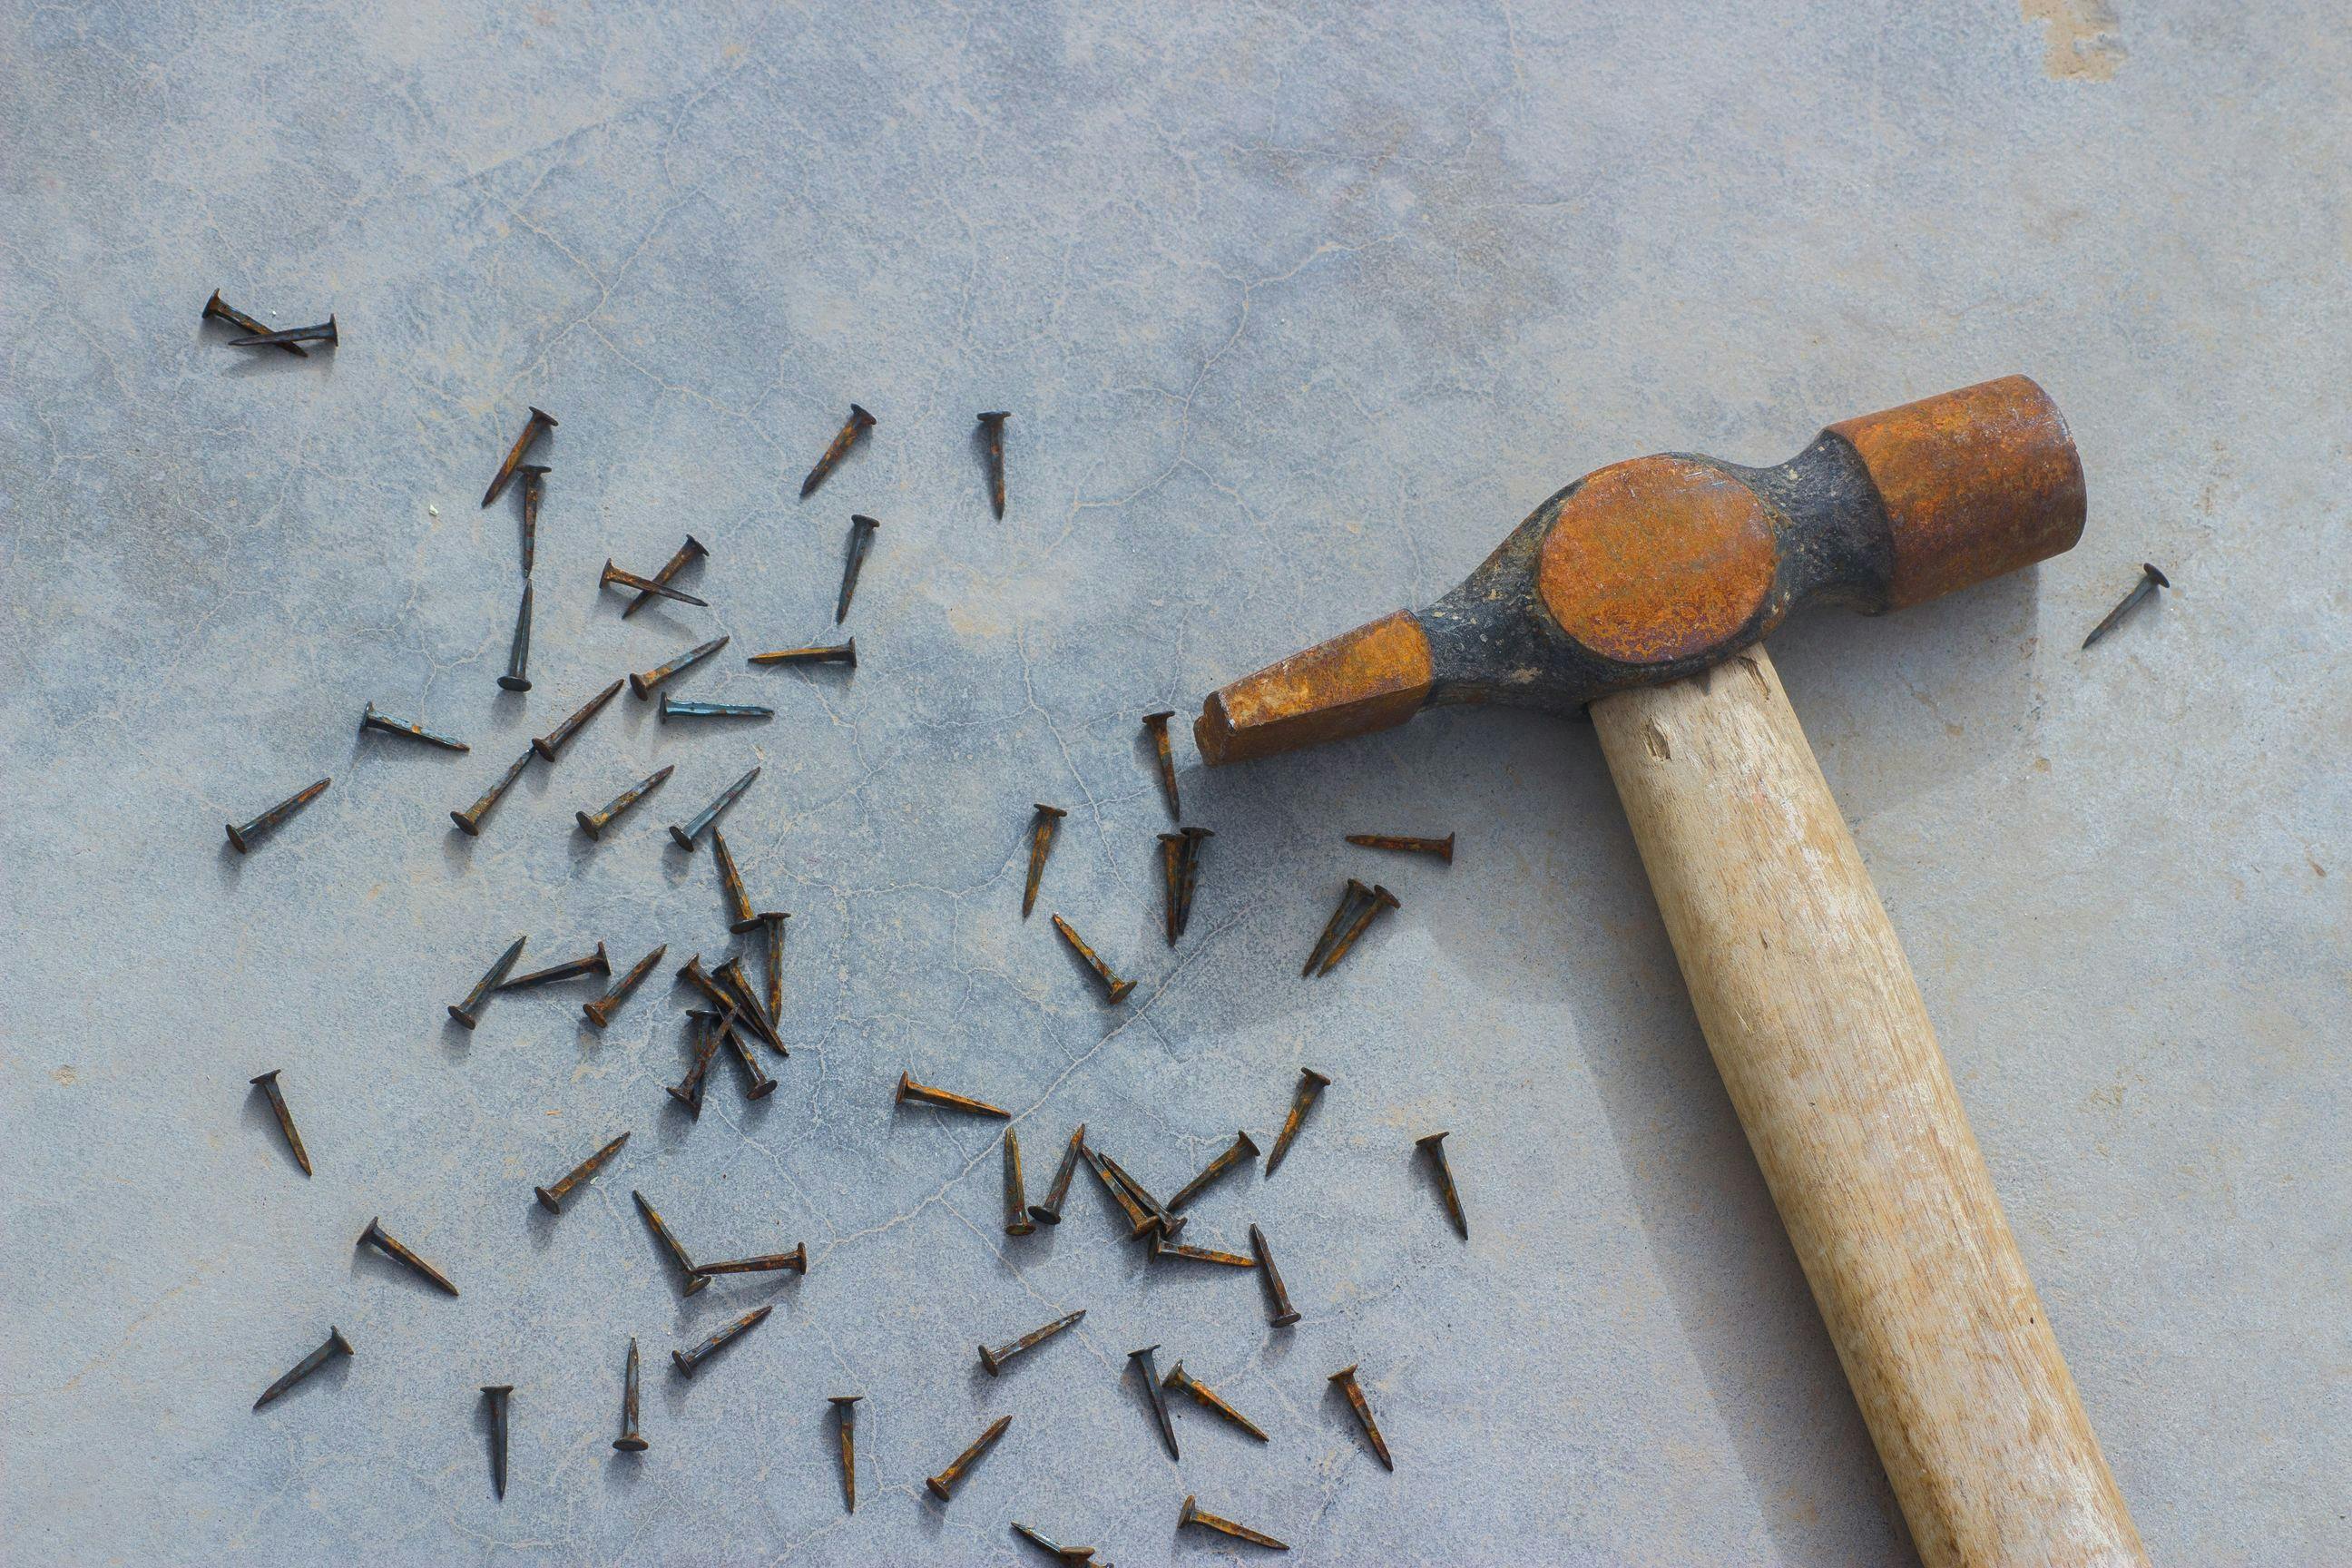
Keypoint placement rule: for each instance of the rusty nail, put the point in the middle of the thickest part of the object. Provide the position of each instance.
(498, 1394)
(1050, 1211)
(1435, 1147)
(469, 821)
(1016, 1198)
(534, 476)
(336, 1345)
(859, 423)
(1139, 1217)
(1242, 1148)
(846, 1406)
(671, 708)
(371, 720)
(594, 823)
(1311, 1085)
(1154, 1215)
(554, 740)
(1163, 1247)
(771, 921)
(861, 540)
(375, 1235)
(757, 1085)
(687, 1361)
(731, 883)
(2150, 580)
(600, 1012)
(540, 423)
(219, 310)
(468, 1012)
(1073, 1556)
(1285, 1314)
(1194, 1514)
(1346, 1378)
(1189, 876)
(323, 333)
(643, 685)
(840, 653)
(701, 822)
(1348, 898)
(689, 1093)
(267, 1084)
(992, 427)
(1114, 988)
(1144, 1362)
(670, 1243)
(994, 1360)
(1381, 900)
(595, 962)
(925, 1094)
(1156, 726)
(945, 1481)
(1441, 847)
(1044, 825)
(743, 1007)
(1171, 878)
(1209, 1399)
(551, 1198)
(630, 1441)
(692, 550)
(614, 578)
(244, 836)
(796, 1260)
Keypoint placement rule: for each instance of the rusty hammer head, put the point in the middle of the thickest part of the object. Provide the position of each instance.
(1648, 570)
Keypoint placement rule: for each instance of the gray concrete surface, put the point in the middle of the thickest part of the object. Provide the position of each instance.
(1297, 310)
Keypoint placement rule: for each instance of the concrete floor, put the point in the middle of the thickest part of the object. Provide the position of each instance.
(1297, 310)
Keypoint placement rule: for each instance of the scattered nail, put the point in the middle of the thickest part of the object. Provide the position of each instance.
(594, 823)
(992, 428)
(730, 884)
(924, 1093)
(371, 720)
(630, 1441)
(1156, 726)
(469, 821)
(841, 653)
(757, 1084)
(1241, 1148)
(689, 1093)
(1163, 1247)
(1073, 1556)
(1311, 1085)
(554, 740)
(1114, 988)
(1050, 1211)
(1435, 1147)
(600, 1011)
(795, 1260)
(551, 1198)
(692, 550)
(702, 979)
(2150, 580)
(375, 1235)
(336, 1345)
(267, 1084)
(694, 1281)
(1285, 1314)
(1145, 1362)
(772, 922)
(945, 1481)
(1155, 1216)
(746, 1006)
(1209, 1399)
(468, 1012)
(245, 835)
(861, 540)
(498, 1394)
(1193, 1514)
(701, 821)
(994, 1360)
(1016, 1199)
(687, 1361)
(537, 424)
(570, 969)
(846, 1406)
(643, 685)
(219, 310)
(1189, 876)
(859, 423)
(671, 708)
(1346, 1378)
(1043, 827)
(1171, 878)
(614, 577)
(534, 476)
(1441, 847)
(1139, 1217)
(1381, 900)
(324, 333)
(1354, 893)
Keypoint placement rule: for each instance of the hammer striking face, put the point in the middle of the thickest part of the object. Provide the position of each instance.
(1648, 570)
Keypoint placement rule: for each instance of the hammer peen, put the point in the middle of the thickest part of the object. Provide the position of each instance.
(1645, 589)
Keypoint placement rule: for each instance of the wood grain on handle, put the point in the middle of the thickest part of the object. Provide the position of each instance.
(1819, 1031)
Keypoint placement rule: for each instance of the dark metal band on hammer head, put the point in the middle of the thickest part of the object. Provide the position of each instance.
(1648, 570)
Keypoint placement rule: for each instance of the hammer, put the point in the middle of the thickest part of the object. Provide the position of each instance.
(1644, 591)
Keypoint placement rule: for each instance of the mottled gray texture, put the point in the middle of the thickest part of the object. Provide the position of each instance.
(1297, 308)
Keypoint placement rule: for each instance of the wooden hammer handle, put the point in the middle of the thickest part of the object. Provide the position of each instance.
(1818, 1029)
